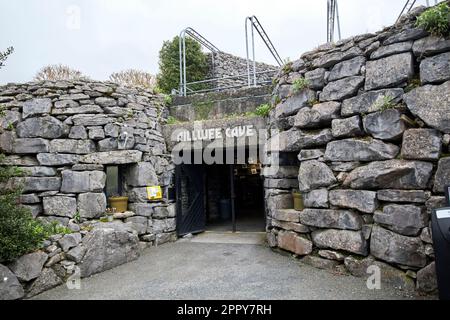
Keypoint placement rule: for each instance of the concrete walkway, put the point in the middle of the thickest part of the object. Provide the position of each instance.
(202, 268)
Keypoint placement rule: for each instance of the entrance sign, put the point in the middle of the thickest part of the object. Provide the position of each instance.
(443, 213)
(154, 193)
(216, 133)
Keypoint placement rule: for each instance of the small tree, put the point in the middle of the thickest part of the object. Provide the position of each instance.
(169, 64)
(5, 55)
(134, 78)
(59, 72)
(20, 233)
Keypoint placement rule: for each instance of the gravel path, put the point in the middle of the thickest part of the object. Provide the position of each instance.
(196, 270)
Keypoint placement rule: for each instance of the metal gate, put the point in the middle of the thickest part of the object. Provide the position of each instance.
(191, 216)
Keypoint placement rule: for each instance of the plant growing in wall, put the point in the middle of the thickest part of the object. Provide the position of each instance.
(169, 65)
(300, 84)
(263, 110)
(436, 20)
(135, 78)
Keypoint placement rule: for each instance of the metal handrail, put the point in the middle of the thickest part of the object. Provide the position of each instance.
(182, 48)
(217, 89)
(332, 18)
(255, 24)
(409, 5)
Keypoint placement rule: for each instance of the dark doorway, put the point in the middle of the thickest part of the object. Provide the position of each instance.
(220, 198)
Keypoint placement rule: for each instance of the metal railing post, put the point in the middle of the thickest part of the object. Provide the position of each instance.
(248, 54)
(254, 54)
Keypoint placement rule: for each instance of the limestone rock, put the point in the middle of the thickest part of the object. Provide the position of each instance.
(369, 102)
(341, 89)
(56, 159)
(280, 201)
(29, 146)
(319, 115)
(113, 157)
(288, 215)
(42, 127)
(10, 118)
(331, 219)
(142, 209)
(36, 107)
(347, 128)
(414, 196)
(69, 107)
(89, 120)
(29, 266)
(290, 226)
(391, 50)
(385, 125)
(142, 174)
(163, 226)
(346, 240)
(76, 254)
(313, 175)
(347, 68)
(407, 220)
(78, 132)
(310, 154)
(139, 224)
(395, 174)
(107, 248)
(442, 176)
(394, 248)
(82, 181)
(69, 241)
(360, 150)
(296, 140)
(389, 72)
(91, 205)
(38, 184)
(330, 59)
(430, 45)
(320, 263)
(406, 35)
(60, 206)
(316, 78)
(294, 103)
(432, 105)
(331, 255)
(426, 279)
(435, 69)
(10, 288)
(422, 144)
(364, 201)
(46, 281)
(292, 242)
(316, 199)
(72, 146)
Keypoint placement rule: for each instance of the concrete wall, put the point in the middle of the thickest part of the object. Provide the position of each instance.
(371, 135)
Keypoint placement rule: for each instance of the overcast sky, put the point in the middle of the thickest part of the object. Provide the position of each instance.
(99, 37)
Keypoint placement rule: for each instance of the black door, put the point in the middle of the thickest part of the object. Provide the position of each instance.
(191, 217)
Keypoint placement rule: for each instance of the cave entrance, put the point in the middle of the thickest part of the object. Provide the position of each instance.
(220, 198)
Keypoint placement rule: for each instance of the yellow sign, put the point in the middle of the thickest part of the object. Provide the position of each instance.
(154, 193)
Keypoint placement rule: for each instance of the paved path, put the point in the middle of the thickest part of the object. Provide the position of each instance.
(202, 269)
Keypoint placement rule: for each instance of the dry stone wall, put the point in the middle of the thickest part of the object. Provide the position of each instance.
(64, 135)
(371, 138)
(228, 65)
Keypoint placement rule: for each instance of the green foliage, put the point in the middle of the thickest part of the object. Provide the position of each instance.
(172, 120)
(168, 100)
(287, 67)
(263, 110)
(4, 55)
(436, 20)
(169, 64)
(300, 84)
(20, 233)
(387, 103)
(412, 84)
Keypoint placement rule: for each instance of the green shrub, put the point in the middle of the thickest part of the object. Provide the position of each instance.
(436, 20)
(300, 84)
(169, 65)
(387, 103)
(263, 110)
(172, 120)
(20, 233)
